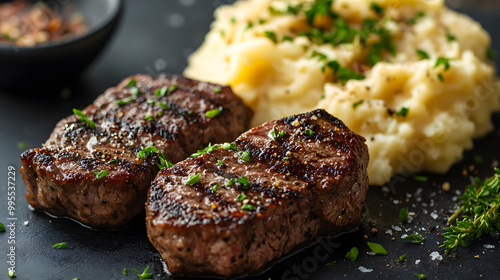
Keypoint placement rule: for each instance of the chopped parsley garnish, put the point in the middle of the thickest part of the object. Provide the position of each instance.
(222, 33)
(420, 276)
(352, 254)
(320, 56)
(220, 162)
(377, 248)
(274, 11)
(379, 10)
(131, 82)
(161, 92)
(215, 187)
(11, 274)
(122, 102)
(217, 89)
(271, 36)
(84, 118)
(444, 61)
(249, 25)
(112, 161)
(343, 74)
(229, 146)
(149, 118)
(490, 53)
(244, 181)
(479, 206)
(440, 77)
(414, 19)
(243, 155)
(164, 163)
(357, 104)
(415, 238)
(193, 179)
(144, 153)
(208, 149)
(150, 101)
(172, 88)
(61, 245)
(402, 258)
(143, 275)
(241, 197)
(247, 206)
(100, 174)
(135, 91)
(422, 55)
(332, 263)
(230, 182)
(403, 215)
(164, 106)
(22, 145)
(318, 10)
(420, 178)
(286, 158)
(403, 112)
(262, 21)
(233, 20)
(450, 37)
(309, 132)
(2, 227)
(277, 135)
(213, 113)
(294, 10)
(287, 38)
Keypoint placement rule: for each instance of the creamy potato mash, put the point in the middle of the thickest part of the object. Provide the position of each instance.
(413, 77)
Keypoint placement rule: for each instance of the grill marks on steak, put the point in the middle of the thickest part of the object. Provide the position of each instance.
(310, 181)
(60, 177)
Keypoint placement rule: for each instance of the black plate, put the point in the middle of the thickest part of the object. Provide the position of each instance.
(147, 42)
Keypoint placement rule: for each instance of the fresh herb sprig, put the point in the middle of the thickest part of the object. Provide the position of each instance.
(480, 209)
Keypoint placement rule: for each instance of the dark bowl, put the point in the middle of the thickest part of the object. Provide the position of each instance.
(55, 65)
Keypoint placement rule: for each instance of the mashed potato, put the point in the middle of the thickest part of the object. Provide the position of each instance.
(413, 77)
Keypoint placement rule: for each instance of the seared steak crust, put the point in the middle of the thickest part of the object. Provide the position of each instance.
(168, 113)
(306, 177)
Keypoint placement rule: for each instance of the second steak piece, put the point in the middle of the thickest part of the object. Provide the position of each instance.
(94, 168)
(241, 205)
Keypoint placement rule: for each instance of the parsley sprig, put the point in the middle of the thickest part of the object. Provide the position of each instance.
(480, 209)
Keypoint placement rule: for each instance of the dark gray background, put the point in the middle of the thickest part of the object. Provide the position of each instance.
(156, 36)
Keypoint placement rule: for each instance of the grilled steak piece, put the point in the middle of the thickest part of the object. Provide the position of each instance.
(67, 177)
(236, 208)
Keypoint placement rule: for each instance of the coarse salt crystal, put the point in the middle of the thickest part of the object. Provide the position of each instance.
(364, 269)
(436, 256)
